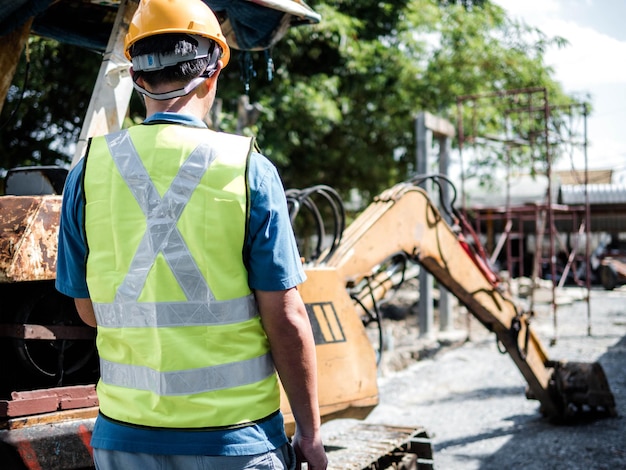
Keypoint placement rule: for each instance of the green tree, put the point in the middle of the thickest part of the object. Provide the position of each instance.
(341, 105)
(46, 103)
(340, 109)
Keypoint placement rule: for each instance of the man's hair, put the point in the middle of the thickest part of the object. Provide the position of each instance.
(172, 43)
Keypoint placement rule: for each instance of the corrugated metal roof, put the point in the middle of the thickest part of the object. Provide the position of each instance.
(607, 203)
(598, 194)
(521, 189)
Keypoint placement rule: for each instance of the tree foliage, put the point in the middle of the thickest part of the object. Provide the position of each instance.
(46, 103)
(341, 105)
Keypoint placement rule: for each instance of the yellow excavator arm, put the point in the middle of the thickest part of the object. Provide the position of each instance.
(404, 220)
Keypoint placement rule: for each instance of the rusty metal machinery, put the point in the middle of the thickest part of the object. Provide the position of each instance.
(44, 342)
(42, 339)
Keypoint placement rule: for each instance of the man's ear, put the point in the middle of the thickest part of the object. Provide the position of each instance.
(136, 77)
(211, 82)
(218, 68)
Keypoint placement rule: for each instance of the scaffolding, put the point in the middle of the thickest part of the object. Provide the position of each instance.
(530, 132)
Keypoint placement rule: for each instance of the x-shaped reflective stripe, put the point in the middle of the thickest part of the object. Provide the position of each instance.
(162, 214)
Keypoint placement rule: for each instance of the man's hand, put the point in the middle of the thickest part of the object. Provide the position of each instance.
(311, 451)
(288, 329)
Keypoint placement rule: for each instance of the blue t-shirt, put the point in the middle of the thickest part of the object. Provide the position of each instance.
(273, 263)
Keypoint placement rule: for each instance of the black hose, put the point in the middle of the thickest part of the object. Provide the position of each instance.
(305, 198)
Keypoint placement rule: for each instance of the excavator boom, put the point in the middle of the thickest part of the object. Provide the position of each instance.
(404, 220)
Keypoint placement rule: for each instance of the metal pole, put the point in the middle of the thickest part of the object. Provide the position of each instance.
(587, 225)
(425, 305)
(550, 215)
(445, 304)
(459, 107)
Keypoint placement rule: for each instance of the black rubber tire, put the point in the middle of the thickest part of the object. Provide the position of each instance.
(608, 277)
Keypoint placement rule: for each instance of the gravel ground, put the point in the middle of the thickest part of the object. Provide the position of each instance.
(470, 397)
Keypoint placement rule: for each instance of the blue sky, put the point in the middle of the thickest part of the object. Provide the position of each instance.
(593, 65)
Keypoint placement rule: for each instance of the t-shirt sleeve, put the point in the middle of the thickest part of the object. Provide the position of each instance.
(271, 251)
(71, 253)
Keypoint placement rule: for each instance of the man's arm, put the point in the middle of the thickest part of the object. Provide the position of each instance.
(85, 311)
(288, 329)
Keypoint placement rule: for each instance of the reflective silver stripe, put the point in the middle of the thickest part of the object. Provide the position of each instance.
(164, 314)
(187, 382)
(162, 214)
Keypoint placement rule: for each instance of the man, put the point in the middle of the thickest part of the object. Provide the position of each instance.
(175, 242)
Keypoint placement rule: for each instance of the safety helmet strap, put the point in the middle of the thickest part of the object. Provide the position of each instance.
(168, 95)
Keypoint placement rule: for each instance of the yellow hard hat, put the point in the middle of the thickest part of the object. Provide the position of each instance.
(192, 17)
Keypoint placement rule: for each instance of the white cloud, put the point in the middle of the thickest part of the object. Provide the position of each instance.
(590, 58)
(529, 8)
(593, 64)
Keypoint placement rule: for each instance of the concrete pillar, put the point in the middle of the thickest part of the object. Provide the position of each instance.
(428, 126)
(445, 300)
(423, 138)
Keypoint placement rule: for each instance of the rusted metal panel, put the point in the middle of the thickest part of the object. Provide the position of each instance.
(29, 228)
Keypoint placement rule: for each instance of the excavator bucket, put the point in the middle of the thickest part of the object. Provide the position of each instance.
(583, 391)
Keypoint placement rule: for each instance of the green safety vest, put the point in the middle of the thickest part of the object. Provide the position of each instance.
(180, 339)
